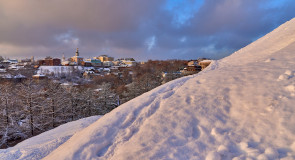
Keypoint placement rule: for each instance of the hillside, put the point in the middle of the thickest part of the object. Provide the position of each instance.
(239, 107)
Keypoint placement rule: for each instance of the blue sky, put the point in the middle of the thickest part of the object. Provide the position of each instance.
(153, 29)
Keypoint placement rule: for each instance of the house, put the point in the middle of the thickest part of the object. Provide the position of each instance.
(2, 69)
(86, 64)
(90, 74)
(19, 78)
(192, 63)
(127, 62)
(107, 63)
(191, 70)
(11, 78)
(205, 63)
(13, 61)
(195, 68)
(39, 77)
(13, 67)
(95, 62)
(5, 63)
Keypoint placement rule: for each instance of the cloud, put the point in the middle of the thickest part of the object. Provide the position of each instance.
(167, 29)
(68, 39)
(151, 43)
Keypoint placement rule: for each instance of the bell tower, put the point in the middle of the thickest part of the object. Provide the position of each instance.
(77, 52)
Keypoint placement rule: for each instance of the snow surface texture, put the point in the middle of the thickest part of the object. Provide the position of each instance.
(40, 146)
(241, 107)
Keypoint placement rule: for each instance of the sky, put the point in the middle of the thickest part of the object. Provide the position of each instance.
(141, 29)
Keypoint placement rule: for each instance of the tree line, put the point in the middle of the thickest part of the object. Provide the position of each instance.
(30, 108)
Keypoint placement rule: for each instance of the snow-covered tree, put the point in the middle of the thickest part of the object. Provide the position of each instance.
(9, 113)
(32, 101)
(106, 98)
(56, 104)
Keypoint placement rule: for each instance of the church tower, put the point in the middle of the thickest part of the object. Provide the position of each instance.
(63, 57)
(77, 59)
(77, 52)
(32, 59)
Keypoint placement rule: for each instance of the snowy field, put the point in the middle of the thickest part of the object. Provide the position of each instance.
(241, 107)
(57, 70)
(39, 146)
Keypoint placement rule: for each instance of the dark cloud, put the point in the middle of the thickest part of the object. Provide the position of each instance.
(138, 28)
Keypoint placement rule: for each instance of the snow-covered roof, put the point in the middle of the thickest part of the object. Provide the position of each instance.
(7, 76)
(207, 60)
(69, 84)
(39, 75)
(20, 76)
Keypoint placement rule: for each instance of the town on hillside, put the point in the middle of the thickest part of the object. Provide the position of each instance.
(81, 70)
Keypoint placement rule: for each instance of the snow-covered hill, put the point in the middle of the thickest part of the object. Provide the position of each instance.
(240, 107)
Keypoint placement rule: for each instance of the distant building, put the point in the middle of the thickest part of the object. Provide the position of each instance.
(77, 59)
(95, 62)
(2, 69)
(6, 77)
(205, 63)
(48, 61)
(126, 59)
(107, 63)
(192, 63)
(128, 62)
(104, 58)
(39, 77)
(87, 64)
(11, 61)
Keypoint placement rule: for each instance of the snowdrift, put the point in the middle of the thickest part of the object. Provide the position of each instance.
(240, 107)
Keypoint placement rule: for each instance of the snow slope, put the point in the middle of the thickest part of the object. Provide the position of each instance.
(241, 107)
(39, 146)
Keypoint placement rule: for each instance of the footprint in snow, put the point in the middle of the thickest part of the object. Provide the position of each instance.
(269, 60)
(286, 76)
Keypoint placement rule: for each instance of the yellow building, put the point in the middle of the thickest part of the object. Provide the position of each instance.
(104, 58)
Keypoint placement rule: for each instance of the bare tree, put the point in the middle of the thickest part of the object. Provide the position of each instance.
(32, 98)
(9, 113)
(106, 100)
